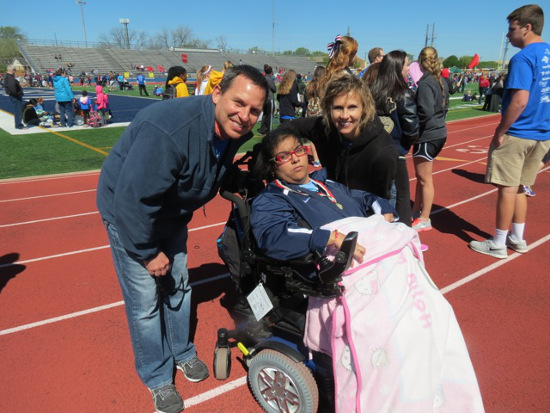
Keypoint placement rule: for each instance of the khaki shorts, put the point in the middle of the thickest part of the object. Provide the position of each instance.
(515, 162)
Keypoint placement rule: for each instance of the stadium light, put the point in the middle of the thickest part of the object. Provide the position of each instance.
(126, 22)
(82, 3)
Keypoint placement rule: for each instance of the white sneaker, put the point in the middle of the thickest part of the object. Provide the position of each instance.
(518, 246)
(487, 247)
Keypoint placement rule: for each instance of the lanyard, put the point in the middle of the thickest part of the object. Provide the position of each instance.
(325, 191)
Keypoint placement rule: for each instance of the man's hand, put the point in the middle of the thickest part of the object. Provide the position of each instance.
(498, 138)
(158, 266)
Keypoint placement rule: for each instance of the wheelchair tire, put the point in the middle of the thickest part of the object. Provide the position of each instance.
(281, 385)
(222, 362)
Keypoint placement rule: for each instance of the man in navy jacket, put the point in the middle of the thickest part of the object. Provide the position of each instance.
(169, 162)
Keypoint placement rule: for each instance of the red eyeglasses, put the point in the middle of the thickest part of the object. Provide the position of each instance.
(284, 157)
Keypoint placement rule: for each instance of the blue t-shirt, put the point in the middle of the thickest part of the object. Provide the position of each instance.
(530, 70)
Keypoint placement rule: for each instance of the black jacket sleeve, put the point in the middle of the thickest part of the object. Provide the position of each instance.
(408, 119)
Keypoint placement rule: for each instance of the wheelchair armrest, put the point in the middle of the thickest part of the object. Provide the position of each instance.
(330, 271)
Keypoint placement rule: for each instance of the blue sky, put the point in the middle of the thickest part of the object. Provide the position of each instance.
(462, 27)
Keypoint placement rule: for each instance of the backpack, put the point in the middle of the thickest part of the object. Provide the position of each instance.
(169, 93)
(313, 107)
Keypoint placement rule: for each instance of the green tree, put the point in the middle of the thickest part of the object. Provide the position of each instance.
(490, 64)
(9, 35)
(451, 61)
(301, 51)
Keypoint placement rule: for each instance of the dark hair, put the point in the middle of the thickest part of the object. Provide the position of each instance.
(264, 168)
(529, 14)
(84, 93)
(250, 72)
(33, 101)
(173, 72)
(389, 83)
(268, 69)
(374, 53)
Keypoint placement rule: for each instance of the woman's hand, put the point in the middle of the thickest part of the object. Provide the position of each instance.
(337, 238)
(389, 217)
(158, 266)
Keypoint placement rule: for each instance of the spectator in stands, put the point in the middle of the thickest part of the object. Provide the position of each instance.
(203, 75)
(168, 163)
(141, 84)
(177, 76)
(376, 54)
(287, 96)
(30, 117)
(64, 97)
(15, 92)
(267, 117)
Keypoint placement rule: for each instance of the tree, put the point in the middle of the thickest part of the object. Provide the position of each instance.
(491, 64)
(9, 35)
(255, 50)
(302, 51)
(117, 38)
(222, 42)
(451, 61)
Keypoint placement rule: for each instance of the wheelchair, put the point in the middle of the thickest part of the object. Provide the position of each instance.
(283, 375)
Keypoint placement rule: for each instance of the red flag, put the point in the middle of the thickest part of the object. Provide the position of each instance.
(184, 58)
(474, 62)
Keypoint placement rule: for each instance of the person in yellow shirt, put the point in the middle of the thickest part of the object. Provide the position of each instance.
(216, 77)
(177, 76)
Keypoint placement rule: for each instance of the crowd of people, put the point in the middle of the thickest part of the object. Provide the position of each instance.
(359, 127)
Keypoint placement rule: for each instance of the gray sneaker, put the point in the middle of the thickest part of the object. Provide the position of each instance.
(518, 246)
(194, 370)
(488, 248)
(167, 399)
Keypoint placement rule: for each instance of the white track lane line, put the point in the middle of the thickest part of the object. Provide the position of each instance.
(36, 221)
(48, 257)
(10, 181)
(47, 196)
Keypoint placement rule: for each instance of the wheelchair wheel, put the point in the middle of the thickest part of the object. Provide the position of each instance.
(281, 385)
(222, 363)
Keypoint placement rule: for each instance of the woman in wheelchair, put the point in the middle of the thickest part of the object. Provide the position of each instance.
(394, 340)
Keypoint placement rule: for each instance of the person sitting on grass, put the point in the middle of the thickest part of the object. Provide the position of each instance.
(30, 117)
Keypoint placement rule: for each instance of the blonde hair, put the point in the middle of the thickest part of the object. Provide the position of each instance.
(227, 64)
(286, 82)
(342, 84)
(429, 61)
(201, 74)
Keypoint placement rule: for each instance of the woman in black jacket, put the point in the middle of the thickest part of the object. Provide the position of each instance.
(395, 102)
(432, 103)
(350, 139)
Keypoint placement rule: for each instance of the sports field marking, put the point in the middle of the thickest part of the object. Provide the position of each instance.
(36, 221)
(47, 196)
(93, 148)
(491, 267)
(64, 254)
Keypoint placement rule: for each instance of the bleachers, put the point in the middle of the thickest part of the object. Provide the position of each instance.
(43, 59)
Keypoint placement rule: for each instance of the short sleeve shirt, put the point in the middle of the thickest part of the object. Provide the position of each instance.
(529, 70)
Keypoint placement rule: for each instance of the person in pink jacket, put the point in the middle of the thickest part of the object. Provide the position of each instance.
(102, 102)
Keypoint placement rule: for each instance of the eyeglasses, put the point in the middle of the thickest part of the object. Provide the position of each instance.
(285, 157)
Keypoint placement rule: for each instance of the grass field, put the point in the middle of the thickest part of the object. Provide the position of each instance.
(82, 150)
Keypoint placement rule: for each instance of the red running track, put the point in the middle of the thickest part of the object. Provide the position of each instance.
(63, 334)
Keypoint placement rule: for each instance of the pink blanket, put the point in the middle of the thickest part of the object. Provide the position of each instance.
(394, 339)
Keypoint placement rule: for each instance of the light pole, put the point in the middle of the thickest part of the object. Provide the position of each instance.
(126, 22)
(82, 3)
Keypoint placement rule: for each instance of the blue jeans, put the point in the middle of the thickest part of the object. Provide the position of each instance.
(66, 107)
(159, 327)
(17, 111)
